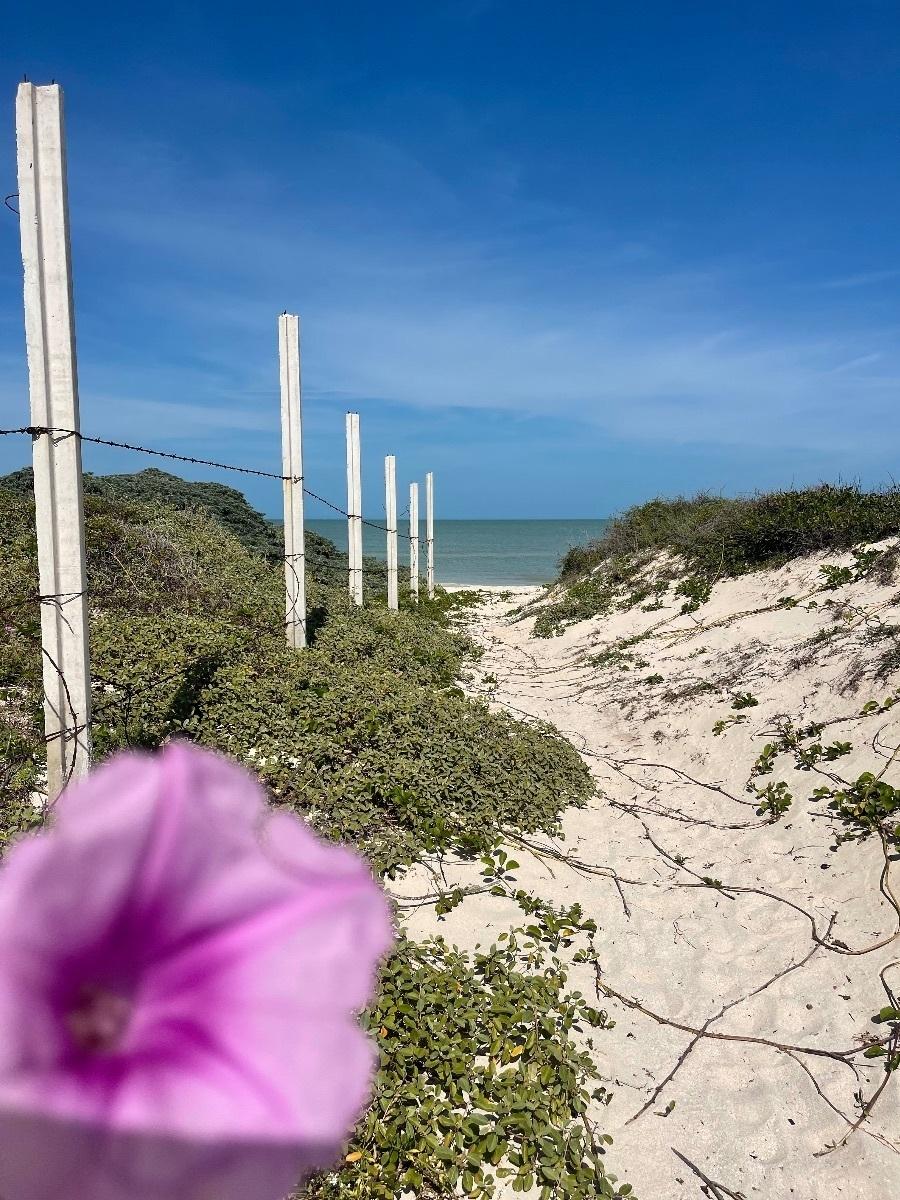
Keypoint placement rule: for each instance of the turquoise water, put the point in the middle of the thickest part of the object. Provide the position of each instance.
(485, 552)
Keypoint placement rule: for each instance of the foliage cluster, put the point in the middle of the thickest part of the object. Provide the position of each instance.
(865, 805)
(366, 732)
(706, 538)
(621, 583)
(227, 506)
(491, 1087)
(862, 807)
(719, 535)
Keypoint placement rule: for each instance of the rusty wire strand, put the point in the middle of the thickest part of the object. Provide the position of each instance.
(37, 430)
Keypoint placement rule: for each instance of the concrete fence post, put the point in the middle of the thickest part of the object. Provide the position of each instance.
(414, 541)
(390, 508)
(354, 510)
(429, 533)
(351, 541)
(53, 390)
(359, 515)
(292, 470)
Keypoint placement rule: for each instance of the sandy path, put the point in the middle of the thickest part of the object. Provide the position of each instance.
(750, 1116)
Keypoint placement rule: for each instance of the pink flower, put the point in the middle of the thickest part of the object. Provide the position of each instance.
(180, 969)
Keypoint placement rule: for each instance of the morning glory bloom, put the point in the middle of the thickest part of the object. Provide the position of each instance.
(180, 972)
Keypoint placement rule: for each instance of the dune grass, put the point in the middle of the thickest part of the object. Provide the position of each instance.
(722, 536)
(694, 542)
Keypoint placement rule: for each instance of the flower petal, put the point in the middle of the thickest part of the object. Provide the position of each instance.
(242, 947)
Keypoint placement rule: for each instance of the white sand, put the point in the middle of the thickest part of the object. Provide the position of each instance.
(749, 1116)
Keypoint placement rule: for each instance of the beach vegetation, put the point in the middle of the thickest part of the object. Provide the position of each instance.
(722, 536)
(226, 505)
(726, 723)
(618, 656)
(366, 732)
(694, 542)
(485, 1074)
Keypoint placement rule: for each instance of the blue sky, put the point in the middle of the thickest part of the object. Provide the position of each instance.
(568, 256)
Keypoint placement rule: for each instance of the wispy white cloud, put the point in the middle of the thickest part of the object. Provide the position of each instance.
(629, 381)
(854, 364)
(861, 280)
(402, 300)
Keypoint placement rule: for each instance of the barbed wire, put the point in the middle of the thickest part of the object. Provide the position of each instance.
(324, 573)
(59, 598)
(329, 574)
(72, 729)
(37, 430)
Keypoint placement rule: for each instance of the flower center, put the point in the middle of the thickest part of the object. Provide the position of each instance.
(99, 1018)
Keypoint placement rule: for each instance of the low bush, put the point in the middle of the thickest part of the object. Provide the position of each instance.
(365, 731)
(720, 536)
(712, 537)
(227, 506)
(491, 1087)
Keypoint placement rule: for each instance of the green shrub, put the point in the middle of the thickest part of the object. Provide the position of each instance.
(373, 750)
(225, 505)
(721, 536)
(595, 595)
(712, 537)
(365, 731)
(487, 1087)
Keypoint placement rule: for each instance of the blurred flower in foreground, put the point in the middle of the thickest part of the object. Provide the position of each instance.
(180, 969)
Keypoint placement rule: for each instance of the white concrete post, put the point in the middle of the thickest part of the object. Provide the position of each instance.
(429, 533)
(292, 470)
(414, 541)
(354, 510)
(53, 388)
(359, 513)
(390, 508)
(351, 540)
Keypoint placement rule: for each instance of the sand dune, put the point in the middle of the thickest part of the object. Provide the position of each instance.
(788, 950)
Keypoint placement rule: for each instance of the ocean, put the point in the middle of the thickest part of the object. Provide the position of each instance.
(479, 552)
